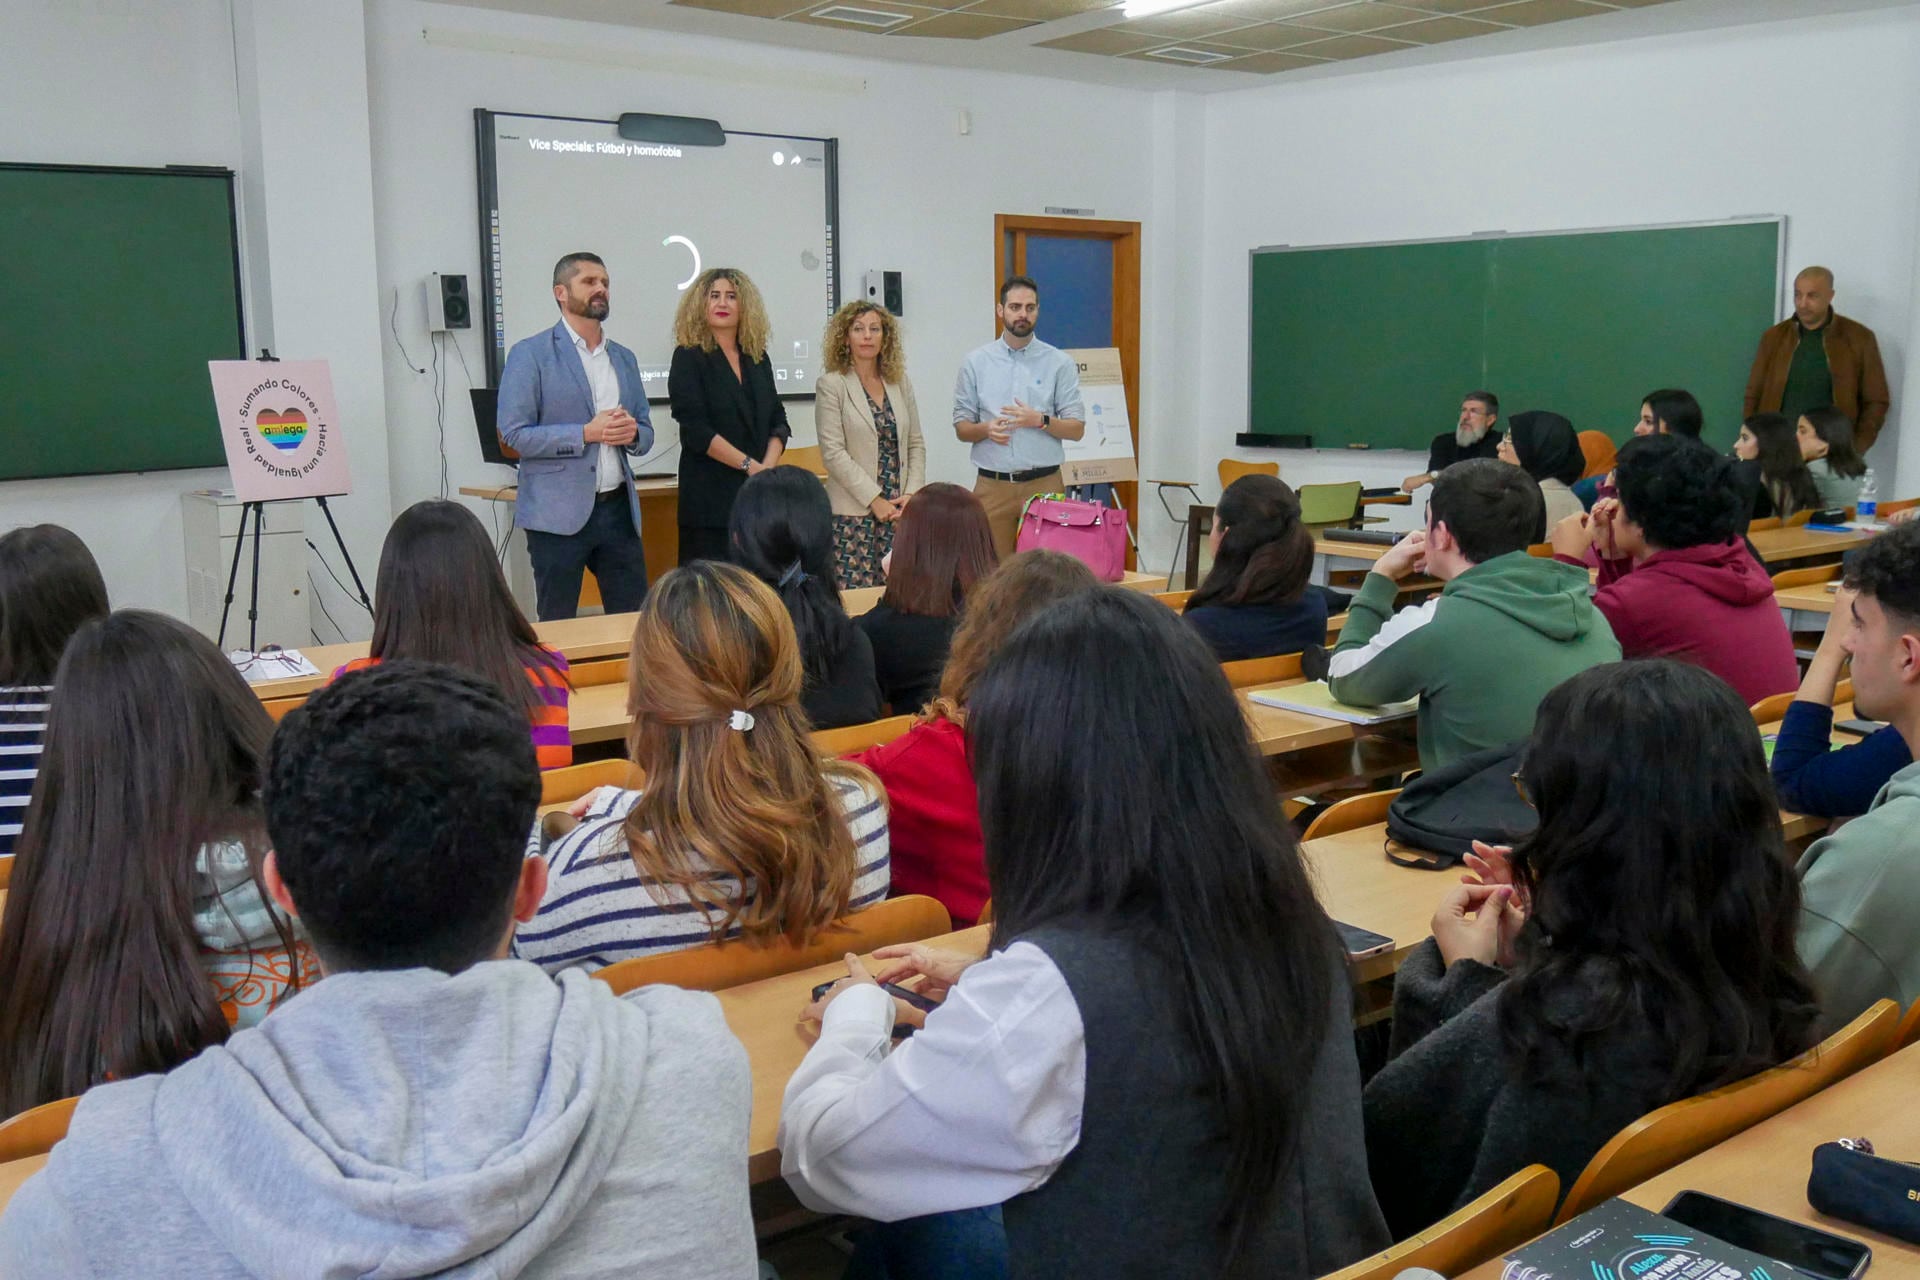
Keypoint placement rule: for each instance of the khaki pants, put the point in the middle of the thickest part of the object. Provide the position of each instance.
(1004, 502)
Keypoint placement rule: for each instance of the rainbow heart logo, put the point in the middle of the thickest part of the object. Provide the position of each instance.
(282, 430)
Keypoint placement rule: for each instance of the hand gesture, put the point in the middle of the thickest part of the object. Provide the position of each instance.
(1019, 414)
(937, 967)
(1840, 626)
(1492, 865)
(1405, 557)
(883, 510)
(1600, 529)
(613, 426)
(1478, 922)
(1570, 537)
(1000, 431)
(1412, 483)
(856, 975)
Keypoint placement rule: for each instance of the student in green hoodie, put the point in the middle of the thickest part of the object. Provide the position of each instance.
(1860, 897)
(1507, 628)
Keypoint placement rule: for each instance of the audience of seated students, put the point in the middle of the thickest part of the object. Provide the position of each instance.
(1826, 442)
(1546, 447)
(1772, 469)
(1676, 578)
(782, 533)
(1638, 948)
(942, 546)
(1255, 602)
(1669, 411)
(1860, 934)
(135, 932)
(1507, 628)
(440, 597)
(740, 830)
(430, 1108)
(49, 587)
(933, 811)
(1161, 979)
(1811, 775)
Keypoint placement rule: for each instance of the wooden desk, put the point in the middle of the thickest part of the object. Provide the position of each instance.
(1767, 1166)
(1801, 545)
(1814, 598)
(659, 523)
(1387, 500)
(1357, 884)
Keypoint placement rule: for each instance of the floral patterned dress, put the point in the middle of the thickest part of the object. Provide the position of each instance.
(861, 542)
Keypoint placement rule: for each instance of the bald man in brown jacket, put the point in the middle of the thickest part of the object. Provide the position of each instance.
(1817, 357)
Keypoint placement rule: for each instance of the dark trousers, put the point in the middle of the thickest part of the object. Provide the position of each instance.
(606, 544)
(703, 544)
(966, 1244)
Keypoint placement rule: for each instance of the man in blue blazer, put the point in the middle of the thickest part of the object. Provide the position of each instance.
(574, 408)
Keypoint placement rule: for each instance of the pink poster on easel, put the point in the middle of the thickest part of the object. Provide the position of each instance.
(281, 429)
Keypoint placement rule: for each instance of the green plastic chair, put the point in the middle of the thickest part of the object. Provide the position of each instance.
(1322, 505)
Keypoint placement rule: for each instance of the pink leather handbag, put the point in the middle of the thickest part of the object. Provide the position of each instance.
(1093, 534)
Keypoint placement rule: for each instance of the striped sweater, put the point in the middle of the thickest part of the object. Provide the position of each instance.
(23, 728)
(599, 910)
(552, 739)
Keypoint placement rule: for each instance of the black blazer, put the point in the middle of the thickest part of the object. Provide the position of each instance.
(707, 400)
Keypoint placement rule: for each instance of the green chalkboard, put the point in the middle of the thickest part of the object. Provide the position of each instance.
(116, 288)
(1374, 345)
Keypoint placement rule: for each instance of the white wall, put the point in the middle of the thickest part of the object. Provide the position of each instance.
(1818, 119)
(81, 84)
(914, 195)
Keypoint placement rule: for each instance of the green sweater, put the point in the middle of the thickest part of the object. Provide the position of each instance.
(1480, 656)
(1860, 906)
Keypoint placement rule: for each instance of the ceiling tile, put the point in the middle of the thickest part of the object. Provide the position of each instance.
(1104, 40)
(1201, 45)
(1533, 13)
(1444, 6)
(1438, 30)
(877, 6)
(963, 26)
(752, 8)
(1265, 63)
(1351, 47)
(1038, 10)
(1357, 17)
(1270, 36)
(1635, 4)
(1272, 10)
(1184, 23)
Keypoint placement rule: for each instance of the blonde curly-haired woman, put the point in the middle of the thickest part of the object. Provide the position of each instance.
(870, 441)
(720, 389)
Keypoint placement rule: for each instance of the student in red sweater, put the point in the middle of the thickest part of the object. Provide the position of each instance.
(1676, 579)
(933, 809)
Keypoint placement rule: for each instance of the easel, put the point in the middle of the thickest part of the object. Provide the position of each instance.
(259, 510)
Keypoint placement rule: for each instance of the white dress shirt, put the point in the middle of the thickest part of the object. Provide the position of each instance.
(605, 385)
(981, 1104)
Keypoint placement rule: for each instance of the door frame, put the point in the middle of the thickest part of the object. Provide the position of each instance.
(1126, 305)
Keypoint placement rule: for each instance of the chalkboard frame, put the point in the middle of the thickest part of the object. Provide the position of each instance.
(219, 172)
(1779, 221)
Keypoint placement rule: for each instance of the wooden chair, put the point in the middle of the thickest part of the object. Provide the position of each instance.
(807, 457)
(1174, 600)
(1353, 812)
(1909, 1028)
(1598, 449)
(1761, 526)
(719, 965)
(986, 917)
(1888, 508)
(6, 870)
(1231, 469)
(1772, 710)
(1805, 577)
(585, 675)
(1661, 1139)
(33, 1133)
(858, 737)
(557, 786)
(278, 707)
(1506, 1217)
(1250, 672)
(1541, 550)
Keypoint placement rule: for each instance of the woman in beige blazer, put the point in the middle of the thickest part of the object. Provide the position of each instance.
(870, 441)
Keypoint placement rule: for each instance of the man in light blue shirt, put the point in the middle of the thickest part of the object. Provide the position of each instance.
(1016, 399)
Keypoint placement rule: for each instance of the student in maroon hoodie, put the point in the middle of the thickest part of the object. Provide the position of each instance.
(1676, 579)
(933, 810)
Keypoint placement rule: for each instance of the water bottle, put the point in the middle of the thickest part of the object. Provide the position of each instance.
(1866, 507)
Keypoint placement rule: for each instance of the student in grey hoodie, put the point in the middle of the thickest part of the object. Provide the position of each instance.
(428, 1108)
(1860, 918)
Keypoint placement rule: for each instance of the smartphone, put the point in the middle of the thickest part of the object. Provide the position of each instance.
(1361, 943)
(1865, 728)
(913, 998)
(1806, 1249)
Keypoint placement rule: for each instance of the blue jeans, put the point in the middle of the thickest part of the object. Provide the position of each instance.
(967, 1244)
(606, 544)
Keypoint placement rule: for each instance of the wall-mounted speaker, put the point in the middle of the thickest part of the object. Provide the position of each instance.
(884, 287)
(449, 306)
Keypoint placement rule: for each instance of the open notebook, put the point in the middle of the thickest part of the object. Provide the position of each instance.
(1314, 699)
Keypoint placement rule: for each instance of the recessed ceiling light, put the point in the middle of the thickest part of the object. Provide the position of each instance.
(1192, 57)
(1147, 8)
(878, 19)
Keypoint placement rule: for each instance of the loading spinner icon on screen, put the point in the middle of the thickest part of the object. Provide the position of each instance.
(692, 249)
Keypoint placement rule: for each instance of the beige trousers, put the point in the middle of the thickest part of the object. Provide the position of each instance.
(1005, 501)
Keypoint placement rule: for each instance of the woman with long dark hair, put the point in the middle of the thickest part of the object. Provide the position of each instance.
(440, 597)
(1255, 601)
(1154, 1068)
(1638, 948)
(135, 929)
(942, 546)
(49, 588)
(1826, 442)
(782, 533)
(1771, 464)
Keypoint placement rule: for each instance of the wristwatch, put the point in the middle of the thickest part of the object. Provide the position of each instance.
(1046, 420)
(746, 462)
